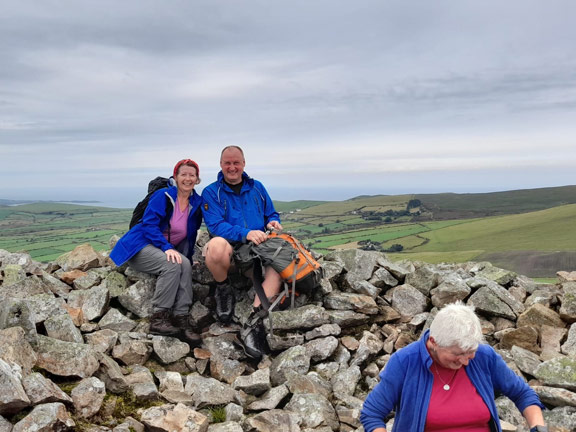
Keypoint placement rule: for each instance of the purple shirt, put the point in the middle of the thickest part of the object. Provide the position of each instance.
(178, 224)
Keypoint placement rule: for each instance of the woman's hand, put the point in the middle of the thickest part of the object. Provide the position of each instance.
(174, 256)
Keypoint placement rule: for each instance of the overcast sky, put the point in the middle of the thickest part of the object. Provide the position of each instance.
(329, 99)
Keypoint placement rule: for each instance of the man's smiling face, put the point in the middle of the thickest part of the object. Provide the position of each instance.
(232, 164)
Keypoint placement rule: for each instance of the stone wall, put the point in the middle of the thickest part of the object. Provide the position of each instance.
(75, 353)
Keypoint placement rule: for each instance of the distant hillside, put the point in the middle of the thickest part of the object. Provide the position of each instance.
(457, 206)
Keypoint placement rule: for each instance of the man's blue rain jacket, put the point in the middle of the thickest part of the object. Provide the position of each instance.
(232, 216)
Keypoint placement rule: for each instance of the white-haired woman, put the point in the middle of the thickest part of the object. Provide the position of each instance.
(446, 381)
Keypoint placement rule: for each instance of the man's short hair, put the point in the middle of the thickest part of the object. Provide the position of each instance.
(231, 147)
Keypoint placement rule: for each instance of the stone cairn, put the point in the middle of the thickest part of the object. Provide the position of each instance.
(75, 352)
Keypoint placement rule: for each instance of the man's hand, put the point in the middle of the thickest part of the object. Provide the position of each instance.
(256, 236)
(274, 225)
(174, 256)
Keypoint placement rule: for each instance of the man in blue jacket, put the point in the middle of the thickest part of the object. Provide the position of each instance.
(237, 209)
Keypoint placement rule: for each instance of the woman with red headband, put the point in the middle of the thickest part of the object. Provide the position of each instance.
(163, 244)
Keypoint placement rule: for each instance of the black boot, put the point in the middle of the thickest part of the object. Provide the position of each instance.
(160, 324)
(253, 335)
(187, 332)
(225, 302)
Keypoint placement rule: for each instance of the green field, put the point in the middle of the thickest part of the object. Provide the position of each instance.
(529, 231)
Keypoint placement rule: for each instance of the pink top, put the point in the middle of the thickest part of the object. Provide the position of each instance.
(178, 224)
(460, 408)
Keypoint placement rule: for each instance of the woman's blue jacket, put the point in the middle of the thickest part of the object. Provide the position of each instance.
(154, 222)
(406, 386)
(232, 216)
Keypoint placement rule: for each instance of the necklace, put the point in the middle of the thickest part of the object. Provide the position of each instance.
(446, 384)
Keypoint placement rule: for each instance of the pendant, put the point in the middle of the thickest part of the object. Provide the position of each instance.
(446, 387)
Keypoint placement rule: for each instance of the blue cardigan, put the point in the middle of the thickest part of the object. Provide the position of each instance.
(154, 222)
(406, 386)
(232, 216)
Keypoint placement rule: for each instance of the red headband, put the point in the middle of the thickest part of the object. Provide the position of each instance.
(186, 162)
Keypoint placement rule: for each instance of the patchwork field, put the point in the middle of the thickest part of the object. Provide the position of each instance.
(535, 243)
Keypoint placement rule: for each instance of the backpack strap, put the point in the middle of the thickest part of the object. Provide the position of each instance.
(258, 279)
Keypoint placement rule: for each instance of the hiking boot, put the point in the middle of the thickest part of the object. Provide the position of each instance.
(225, 302)
(160, 324)
(254, 341)
(187, 331)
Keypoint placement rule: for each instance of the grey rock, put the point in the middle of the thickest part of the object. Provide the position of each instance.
(569, 347)
(323, 331)
(83, 257)
(537, 315)
(114, 320)
(55, 285)
(228, 426)
(274, 420)
(234, 412)
(137, 298)
(271, 399)
(366, 288)
(382, 278)
(312, 382)
(66, 359)
(5, 425)
(17, 313)
(111, 374)
(345, 381)
(424, 278)
(302, 318)
(41, 390)
(370, 345)
(179, 417)
(132, 352)
(89, 280)
(95, 302)
(347, 318)
(169, 381)
(556, 397)
(314, 409)
(487, 301)
(46, 418)
(558, 372)
(116, 283)
(43, 306)
(526, 360)
(226, 370)
(568, 307)
(408, 301)
(293, 359)
(61, 327)
(88, 396)
(320, 349)
(208, 391)
(14, 347)
(488, 271)
(562, 418)
(351, 301)
(255, 384)
(450, 290)
(169, 349)
(102, 340)
(13, 397)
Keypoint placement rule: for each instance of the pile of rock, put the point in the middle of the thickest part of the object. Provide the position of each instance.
(75, 353)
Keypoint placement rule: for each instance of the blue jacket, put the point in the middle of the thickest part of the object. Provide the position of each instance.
(154, 222)
(233, 216)
(406, 386)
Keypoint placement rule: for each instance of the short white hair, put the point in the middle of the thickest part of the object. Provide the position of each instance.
(457, 325)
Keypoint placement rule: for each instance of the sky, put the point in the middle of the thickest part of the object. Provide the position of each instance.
(329, 99)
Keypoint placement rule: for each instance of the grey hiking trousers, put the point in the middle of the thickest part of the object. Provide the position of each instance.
(174, 284)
